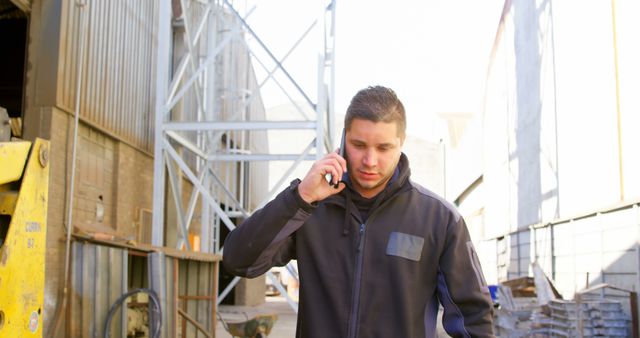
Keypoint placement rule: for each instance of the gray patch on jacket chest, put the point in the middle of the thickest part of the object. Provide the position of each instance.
(405, 246)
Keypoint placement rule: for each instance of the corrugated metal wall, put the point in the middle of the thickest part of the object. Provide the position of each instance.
(118, 91)
(101, 274)
(195, 280)
(186, 285)
(161, 274)
(575, 253)
(599, 248)
(99, 277)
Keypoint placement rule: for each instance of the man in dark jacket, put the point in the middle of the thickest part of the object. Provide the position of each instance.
(378, 253)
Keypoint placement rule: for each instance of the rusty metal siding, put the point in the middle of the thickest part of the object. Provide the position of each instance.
(188, 285)
(195, 280)
(101, 274)
(98, 278)
(118, 85)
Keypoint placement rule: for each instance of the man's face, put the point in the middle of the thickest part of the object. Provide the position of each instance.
(373, 151)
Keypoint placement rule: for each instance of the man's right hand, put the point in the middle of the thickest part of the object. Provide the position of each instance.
(314, 186)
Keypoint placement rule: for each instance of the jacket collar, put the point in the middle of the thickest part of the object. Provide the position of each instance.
(398, 182)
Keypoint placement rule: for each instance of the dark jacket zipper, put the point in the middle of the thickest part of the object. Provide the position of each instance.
(355, 304)
(357, 280)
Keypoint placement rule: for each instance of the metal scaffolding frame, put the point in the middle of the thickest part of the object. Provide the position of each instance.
(205, 125)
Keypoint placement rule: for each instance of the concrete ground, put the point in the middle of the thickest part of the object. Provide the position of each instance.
(285, 326)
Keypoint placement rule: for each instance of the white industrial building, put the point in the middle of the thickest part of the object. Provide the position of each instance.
(548, 169)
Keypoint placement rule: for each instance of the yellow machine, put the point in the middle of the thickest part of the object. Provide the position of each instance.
(24, 186)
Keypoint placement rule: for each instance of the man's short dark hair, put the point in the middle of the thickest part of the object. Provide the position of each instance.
(377, 104)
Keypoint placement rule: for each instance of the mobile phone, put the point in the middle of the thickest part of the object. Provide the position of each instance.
(341, 152)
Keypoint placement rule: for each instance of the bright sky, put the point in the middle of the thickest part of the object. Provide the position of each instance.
(433, 53)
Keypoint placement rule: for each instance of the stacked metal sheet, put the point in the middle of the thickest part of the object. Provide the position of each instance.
(601, 318)
(541, 323)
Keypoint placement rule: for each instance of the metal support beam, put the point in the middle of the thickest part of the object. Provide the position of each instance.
(162, 79)
(238, 125)
(210, 133)
(266, 49)
(276, 188)
(177, 200)
(283, 291)
(205, 193)
(171, 101)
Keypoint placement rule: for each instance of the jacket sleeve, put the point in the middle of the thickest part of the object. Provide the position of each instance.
(267, 237)
(462, 289)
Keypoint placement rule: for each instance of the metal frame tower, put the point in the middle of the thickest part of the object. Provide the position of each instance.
(212, 66)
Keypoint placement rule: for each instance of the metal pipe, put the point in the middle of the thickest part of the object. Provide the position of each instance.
(332, 75)
(619, 118)
(555, 107)
(69, 226)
